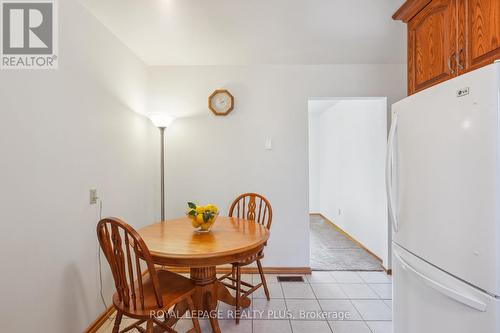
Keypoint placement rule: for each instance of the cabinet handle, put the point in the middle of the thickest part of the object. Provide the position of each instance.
(460, 66)
(452, 71)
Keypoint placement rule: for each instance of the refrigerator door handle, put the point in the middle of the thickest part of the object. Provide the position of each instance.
(453, 294)
(388, 173)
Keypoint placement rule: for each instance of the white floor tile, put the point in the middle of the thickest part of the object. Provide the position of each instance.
(373, 309)
(272, 326)
(342, 310)
(380, 326)
(349, 327)
(273, 309)
(304, 309)
(107, 327)
(226, 311)
(230, 326)
(375, 277)
(383, 290)
(275, 291)
(297, 290)
(338, 301)
(247, 278)
(302, 326)
(358, 291)
(346, 277)
(184, 325)
(320, 277)
(244, 277)
(270, 278)
(256, 278)
(328, 291)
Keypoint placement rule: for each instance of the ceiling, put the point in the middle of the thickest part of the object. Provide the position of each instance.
(252, 32)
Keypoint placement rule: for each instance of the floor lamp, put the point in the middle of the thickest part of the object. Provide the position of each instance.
(162, 121)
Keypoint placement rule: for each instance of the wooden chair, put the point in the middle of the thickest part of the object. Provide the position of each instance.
(141, 295)
(254, 207)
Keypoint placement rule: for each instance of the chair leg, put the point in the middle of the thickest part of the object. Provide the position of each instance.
(238, 293)
(263, 279)
(149, 326)
(118, 320)
(194, 316)
(233, 275)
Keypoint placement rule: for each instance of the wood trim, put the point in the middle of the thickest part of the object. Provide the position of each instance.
(103, 317)
(409, 9)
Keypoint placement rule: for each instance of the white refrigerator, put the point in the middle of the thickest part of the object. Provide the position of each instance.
(443, 186)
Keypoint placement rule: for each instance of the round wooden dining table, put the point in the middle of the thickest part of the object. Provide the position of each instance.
(175, 243)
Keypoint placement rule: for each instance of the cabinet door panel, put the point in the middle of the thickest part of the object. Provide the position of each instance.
(432, 45)
(482, 32)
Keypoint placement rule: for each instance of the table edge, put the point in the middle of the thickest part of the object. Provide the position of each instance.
(211, 255)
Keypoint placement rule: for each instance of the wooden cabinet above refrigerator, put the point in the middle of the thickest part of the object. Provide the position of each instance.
(447, 38)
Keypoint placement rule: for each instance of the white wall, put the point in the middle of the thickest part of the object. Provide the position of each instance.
(63, 132)
(212, 159)
(350, 169)
(314, 161)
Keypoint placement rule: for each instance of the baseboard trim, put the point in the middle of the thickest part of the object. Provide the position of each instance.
(355, 241)
(103, 317)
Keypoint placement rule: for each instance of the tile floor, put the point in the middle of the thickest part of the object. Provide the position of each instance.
(351, 302)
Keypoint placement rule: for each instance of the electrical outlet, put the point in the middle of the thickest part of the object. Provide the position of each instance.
(340, 211)
(93, 196)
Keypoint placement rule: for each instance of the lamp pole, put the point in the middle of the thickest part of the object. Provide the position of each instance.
(162, 121)
(162, 166)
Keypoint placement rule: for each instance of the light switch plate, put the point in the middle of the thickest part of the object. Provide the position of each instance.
(93, 196)
(269, 144)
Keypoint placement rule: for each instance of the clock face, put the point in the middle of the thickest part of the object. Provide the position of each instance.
(220, 102)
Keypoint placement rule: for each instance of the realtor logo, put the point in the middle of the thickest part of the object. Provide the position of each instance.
(29, 34)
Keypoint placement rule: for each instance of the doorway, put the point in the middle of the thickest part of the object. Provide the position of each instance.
(347, 200)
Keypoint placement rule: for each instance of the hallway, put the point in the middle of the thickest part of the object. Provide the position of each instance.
(331, 250)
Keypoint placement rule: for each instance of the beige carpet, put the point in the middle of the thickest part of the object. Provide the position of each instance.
(331, 250)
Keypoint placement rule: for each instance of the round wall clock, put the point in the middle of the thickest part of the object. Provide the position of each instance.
(221, 102)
